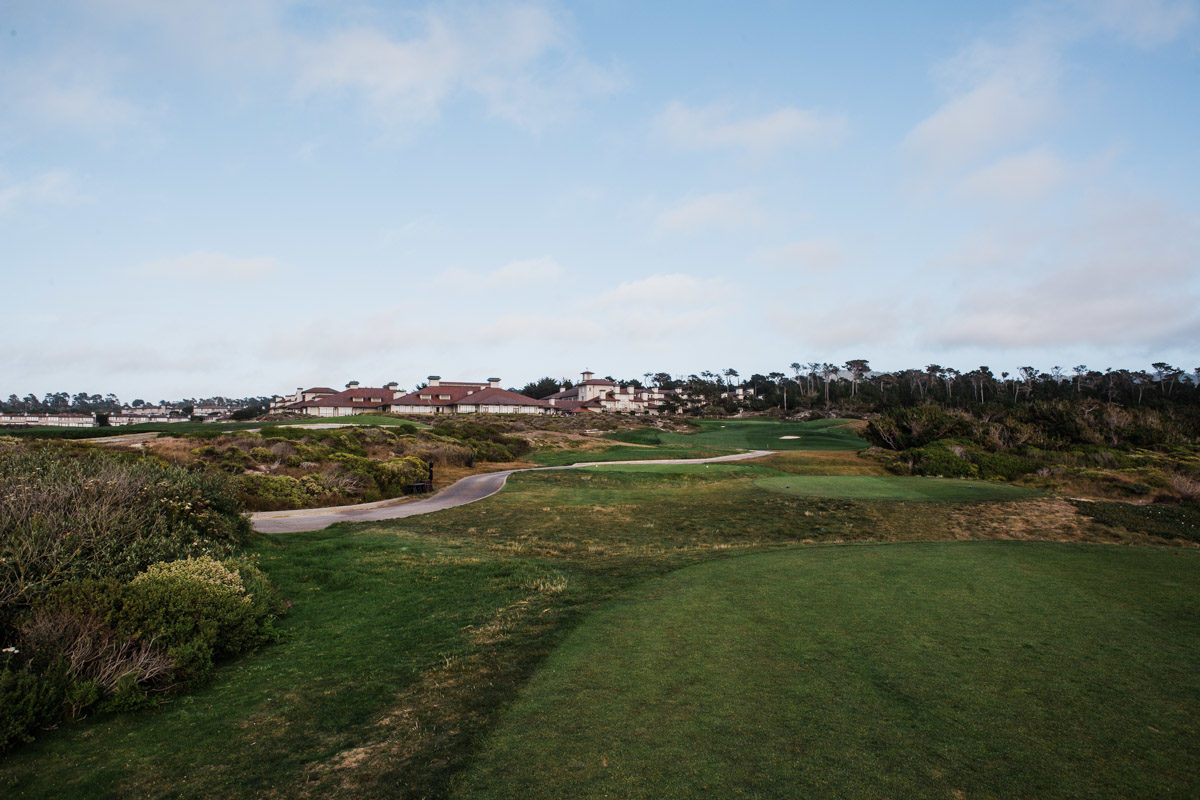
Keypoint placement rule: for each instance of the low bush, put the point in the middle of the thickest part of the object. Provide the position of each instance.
(116, 645)
(196, 608)
(487, 441)
(271, 492)
(30, 699)
(92, 651)
(946, 459)
(69, 513)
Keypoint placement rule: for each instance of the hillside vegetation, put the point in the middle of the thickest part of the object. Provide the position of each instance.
(121, 579)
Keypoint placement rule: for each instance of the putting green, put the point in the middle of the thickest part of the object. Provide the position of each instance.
(889, 487)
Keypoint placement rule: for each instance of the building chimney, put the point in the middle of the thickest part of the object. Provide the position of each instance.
(435, 380)
(391, 386)
(352, 385)
(494, 383)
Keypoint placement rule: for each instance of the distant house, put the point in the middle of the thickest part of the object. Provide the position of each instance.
(591, 394)
(353, 400)
(600, 395)
(212, 413)
(301, 396)
(50, 419)
(456, 397)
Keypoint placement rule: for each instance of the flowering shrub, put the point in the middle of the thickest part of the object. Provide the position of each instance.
(69, 512)
(199, 611)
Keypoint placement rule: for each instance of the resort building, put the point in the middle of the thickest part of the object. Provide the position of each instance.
(322, 402)
(456, 397)
(600, 395)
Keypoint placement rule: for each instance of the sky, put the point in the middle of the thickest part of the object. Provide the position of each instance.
(201, 198)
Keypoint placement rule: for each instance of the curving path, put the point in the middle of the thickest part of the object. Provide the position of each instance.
(459, 493)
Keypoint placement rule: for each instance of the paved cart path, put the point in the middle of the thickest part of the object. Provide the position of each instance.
(459, 493)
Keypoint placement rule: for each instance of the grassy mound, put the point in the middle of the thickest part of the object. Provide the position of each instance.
(933, 670)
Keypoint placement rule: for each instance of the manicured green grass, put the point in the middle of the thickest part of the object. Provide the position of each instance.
(715, 438)
(879, 487)
(755, 434)
(989, 669)
(558, 458)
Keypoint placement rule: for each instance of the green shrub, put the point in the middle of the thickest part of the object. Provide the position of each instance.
(261, 454)
(271, 492)
(487, 441)
(939, 459)
(79, 512)
(1002, 465)
(905, 428)
(197, 609)
(29, 700)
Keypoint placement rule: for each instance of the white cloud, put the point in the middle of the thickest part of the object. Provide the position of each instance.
(1000, 96)
(665, 309)
(1122, 273)
(219, 36)
(519, 58)
(57, 187)
(714, 127)
(725, 210)
(202, 265)
(1147, 23)
(665, 291)
(1017, 179)
(514, 274)
(810, 254)
(856, 323)
(73, 91)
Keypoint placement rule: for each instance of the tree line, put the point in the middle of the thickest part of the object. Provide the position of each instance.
(854, 386)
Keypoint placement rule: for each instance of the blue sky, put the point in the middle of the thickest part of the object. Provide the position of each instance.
(201, 198)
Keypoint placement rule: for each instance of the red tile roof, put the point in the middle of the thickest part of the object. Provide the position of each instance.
(467, 394)
(456, 392)
(501, 397)
(367, 398)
